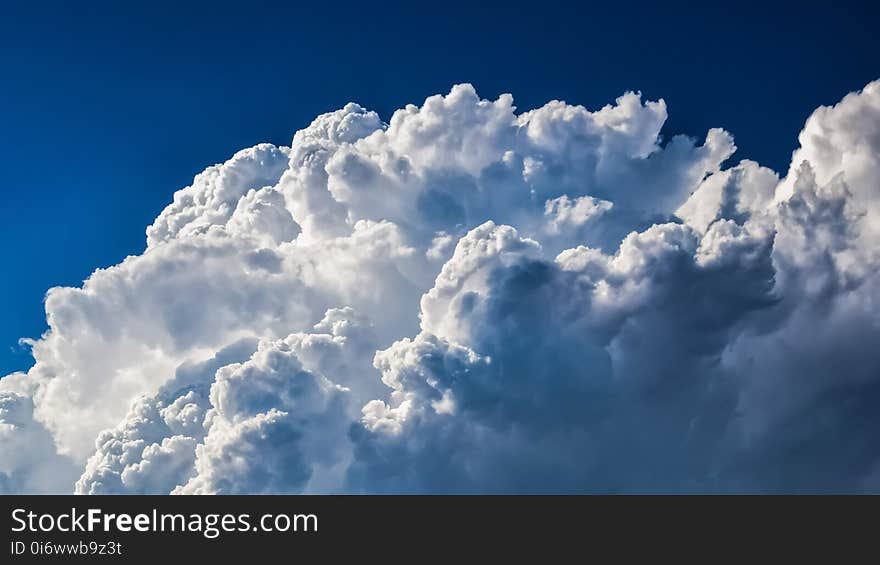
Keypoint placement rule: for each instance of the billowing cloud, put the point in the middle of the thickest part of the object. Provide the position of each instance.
(471, 299)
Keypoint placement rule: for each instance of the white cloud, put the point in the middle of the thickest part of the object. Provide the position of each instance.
(28, 459)
(471, 299)
(272, 427)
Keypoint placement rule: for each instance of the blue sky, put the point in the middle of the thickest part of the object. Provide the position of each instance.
(107, 108)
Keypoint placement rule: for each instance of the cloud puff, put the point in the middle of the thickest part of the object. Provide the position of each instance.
(471, 299)
(273, 425)
(28, 459)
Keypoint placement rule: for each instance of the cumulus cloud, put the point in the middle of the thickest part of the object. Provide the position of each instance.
(471, 299)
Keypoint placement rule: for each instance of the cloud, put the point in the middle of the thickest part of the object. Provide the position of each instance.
(471, 299)
(29, 463)
(272, 426)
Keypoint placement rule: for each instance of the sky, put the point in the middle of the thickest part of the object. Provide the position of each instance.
(106, 109)
(457, 248)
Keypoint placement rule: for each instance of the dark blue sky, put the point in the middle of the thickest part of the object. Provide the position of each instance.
(106, 109)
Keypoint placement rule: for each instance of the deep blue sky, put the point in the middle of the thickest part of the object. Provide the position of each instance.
(106, 110)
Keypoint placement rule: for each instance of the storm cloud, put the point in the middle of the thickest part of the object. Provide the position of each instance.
(471, 299)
